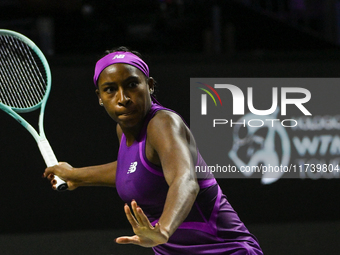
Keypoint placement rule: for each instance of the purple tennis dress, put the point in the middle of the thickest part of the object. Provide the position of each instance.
(212, 226)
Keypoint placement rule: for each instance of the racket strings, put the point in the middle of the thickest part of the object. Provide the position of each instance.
(19, 65)
(13, 97)
(10, 67)
(22, 76)
(32, 62)
(15, 91)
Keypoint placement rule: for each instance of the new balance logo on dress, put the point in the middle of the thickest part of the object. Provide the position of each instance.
(132, 167)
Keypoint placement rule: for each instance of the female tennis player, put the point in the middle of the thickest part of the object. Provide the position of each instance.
(173, 211)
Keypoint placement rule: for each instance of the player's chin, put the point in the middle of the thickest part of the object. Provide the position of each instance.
(128, 121)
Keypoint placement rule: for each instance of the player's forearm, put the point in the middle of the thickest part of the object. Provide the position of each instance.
(101, 175)
(180, 199)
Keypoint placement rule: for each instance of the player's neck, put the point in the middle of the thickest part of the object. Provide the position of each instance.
(131, 134)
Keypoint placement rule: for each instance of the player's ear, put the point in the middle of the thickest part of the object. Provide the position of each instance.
(151, 84)
(99, 98)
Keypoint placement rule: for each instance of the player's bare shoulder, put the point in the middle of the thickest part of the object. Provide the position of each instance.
(169, 128)
(166, 121)
(169, 125)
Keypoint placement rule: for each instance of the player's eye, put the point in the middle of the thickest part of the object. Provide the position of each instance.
(110, 89)
(133, 84)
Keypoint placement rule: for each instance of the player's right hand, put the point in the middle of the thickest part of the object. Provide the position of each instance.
(64, 171)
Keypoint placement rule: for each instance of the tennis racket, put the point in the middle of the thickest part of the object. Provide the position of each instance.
(25, 84)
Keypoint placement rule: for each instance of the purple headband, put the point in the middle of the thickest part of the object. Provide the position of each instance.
(119, 57)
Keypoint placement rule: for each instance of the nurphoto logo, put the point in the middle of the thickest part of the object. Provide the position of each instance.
(302, 96)
(238, 99)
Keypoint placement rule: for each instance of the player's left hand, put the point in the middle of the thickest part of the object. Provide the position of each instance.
(146, 234)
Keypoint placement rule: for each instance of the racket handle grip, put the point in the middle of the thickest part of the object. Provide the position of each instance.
(51, 160)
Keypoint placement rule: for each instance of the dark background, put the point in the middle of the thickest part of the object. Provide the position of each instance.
(181, 39)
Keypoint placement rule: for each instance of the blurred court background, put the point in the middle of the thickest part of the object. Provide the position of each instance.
(181, 39)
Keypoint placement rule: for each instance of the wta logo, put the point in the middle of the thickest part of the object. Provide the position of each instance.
(204, 97)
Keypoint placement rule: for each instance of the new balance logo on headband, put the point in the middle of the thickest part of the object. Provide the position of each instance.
(119, 56)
